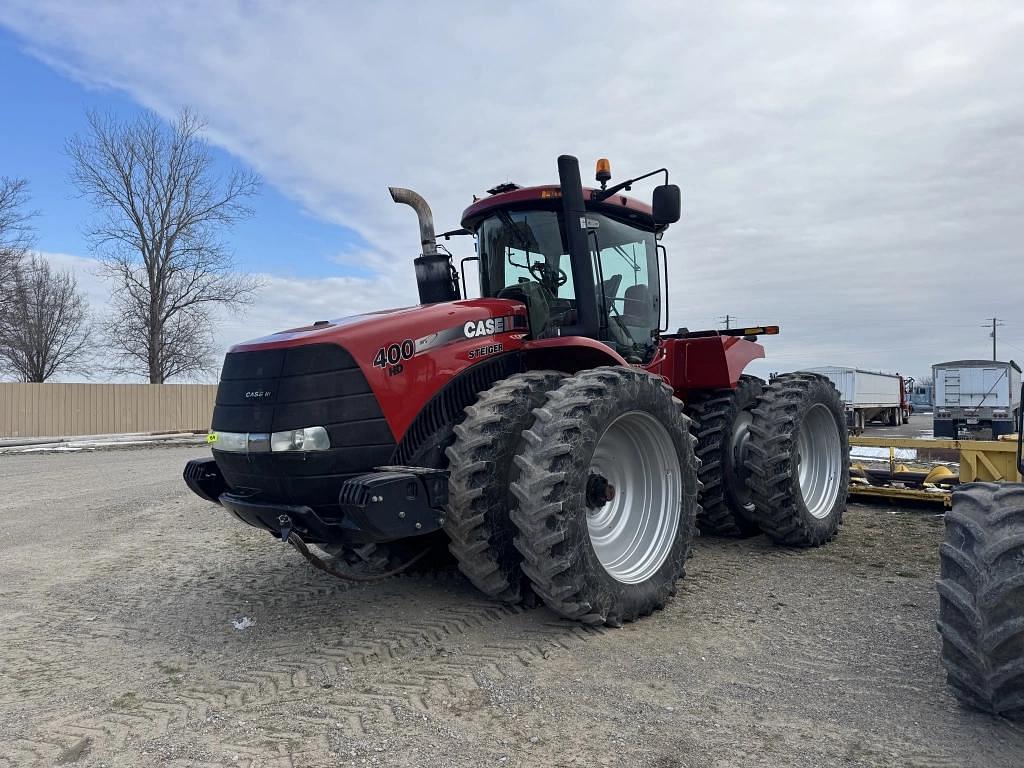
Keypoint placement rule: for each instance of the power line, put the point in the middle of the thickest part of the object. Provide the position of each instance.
(1013, 346)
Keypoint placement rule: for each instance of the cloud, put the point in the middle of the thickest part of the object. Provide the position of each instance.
(850, 171)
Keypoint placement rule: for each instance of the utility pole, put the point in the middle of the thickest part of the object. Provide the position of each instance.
(996, 322)
(727, 318)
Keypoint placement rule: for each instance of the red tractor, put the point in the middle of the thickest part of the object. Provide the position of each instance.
(552, 433)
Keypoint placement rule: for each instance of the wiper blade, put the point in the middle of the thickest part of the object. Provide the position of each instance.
(515, 234)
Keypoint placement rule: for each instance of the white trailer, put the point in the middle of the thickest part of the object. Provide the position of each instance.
(868, 396)
(973, 395)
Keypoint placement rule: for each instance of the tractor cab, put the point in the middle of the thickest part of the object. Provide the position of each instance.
(598, 276)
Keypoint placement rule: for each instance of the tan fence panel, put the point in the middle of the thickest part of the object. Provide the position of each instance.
(61, 410)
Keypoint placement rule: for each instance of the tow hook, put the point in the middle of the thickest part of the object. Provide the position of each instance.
(285, 524)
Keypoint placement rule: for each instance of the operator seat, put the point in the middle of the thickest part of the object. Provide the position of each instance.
(636, 306)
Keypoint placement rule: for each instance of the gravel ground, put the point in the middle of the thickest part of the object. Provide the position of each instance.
(119, 591)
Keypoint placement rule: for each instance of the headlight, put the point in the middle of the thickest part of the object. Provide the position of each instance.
(306, 439)
(232, 442)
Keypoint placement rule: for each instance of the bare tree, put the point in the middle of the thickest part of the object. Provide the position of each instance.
(163, 209)
(15, 229)
(44, 329)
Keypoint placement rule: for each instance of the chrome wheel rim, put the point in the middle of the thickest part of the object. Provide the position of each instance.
(819, 460)
(633, 524)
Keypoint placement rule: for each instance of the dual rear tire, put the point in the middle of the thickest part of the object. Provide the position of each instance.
(584, 490)
(799, 460)
(774, 459)
(721, 423)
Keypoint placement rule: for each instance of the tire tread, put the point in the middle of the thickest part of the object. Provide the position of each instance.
(981, 597)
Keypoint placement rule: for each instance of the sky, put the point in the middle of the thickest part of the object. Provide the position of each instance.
(850, 171)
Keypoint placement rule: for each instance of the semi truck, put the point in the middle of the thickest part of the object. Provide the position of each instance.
(922, 396)
(974, 395)
(868, 396)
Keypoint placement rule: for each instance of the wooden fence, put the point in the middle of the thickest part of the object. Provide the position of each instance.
(60, 410)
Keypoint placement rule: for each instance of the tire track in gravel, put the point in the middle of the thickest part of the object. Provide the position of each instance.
(116, 648)
(382, 631)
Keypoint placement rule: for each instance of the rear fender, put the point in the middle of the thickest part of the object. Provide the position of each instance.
(709, 362)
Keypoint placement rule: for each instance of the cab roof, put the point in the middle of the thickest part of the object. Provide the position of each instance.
(549, 197)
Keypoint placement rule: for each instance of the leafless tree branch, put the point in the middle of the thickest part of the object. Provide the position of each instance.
(162, 209)
(44, 328)
(16, 235)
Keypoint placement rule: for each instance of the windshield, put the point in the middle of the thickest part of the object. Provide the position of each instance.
(523, 256)
(523, 246)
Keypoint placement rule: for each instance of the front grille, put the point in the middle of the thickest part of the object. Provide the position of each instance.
(275, 390)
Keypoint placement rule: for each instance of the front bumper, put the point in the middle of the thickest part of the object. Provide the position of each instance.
(388, 504)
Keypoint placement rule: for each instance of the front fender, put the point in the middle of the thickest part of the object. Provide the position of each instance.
(569, 354)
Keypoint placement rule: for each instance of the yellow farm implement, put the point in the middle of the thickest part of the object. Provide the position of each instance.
(921, 478)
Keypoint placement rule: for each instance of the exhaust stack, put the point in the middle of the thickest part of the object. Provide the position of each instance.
(435, 276)
(415, 201)
(574, 214)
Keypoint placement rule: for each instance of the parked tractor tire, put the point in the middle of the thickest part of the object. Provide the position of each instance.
(799, 460)
(482, 468)
(607, 496)
(981, 597)
(721, 420)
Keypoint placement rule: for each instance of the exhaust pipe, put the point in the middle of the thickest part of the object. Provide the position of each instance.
(415, 201)
(436, 278)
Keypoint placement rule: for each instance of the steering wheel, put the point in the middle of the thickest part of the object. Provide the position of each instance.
(543, 273)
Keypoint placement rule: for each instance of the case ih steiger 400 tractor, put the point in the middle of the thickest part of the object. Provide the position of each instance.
(552, 432)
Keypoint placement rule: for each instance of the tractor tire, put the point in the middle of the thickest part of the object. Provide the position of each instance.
(482, 468)
(720, 420)
(981, 598)
(607, 496)
(799, 460)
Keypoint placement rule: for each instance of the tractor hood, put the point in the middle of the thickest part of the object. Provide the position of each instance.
(428, 326)
(406, 355)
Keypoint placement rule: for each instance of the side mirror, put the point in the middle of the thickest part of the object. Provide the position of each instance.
(666, 204)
